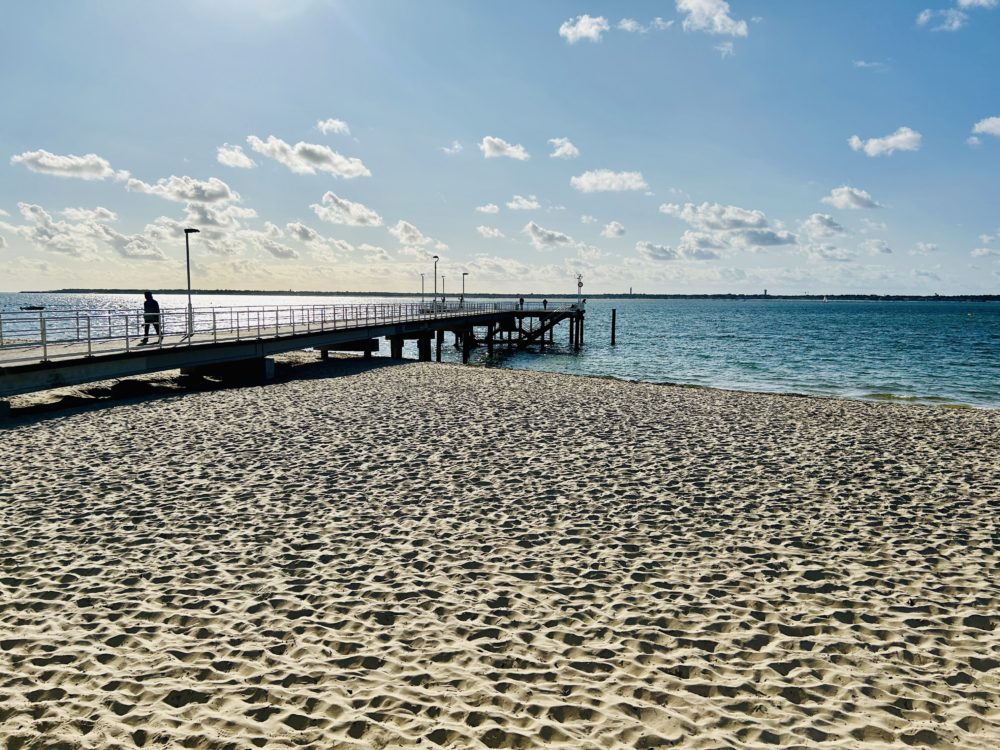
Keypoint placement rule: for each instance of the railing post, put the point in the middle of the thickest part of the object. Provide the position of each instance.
(127, 339)
(258, 323)
(45, 343)
(77, 325)
(291, 311)
(215, 328)
(90, 352)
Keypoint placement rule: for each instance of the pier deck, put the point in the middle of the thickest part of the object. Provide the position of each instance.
(50, 349)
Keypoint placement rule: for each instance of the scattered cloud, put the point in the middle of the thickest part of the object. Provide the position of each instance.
(604, 180)
(490, 232)
(333, 126)
(820, 226)
(973, 141)
(875, 247)
(302, 233)
(710, 16)
(725, 49)
(634, 27)
(337, 210)
(489, 208)
(988, 126)
(847, 197)
(731, 227)
(563, 149)
(407, 234)
(543, 239)
(90, 214)
(875, 65)
(308, 158)
(583, 27)
(453, 149)
(86, 167)
(649, 251)
(233, 156)
(904, 139)
(613, 229)
(520, 203)
(588, 219)
(271, 246)
(924, 248)
(186, 189)
(950, 19)
(494, 148)
(985, 252)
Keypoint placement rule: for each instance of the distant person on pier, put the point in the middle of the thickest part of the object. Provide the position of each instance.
(150, 317)
(520, 302)
(545, 304)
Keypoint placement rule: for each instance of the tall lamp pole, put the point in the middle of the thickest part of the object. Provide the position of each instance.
(464, 274)
(421, 289)
(442, 288)
(435, 279)
(187, 253)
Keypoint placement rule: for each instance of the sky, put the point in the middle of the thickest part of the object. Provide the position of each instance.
(679, 146)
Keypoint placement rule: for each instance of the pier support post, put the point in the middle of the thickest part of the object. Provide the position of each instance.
(396, 347)
(4, 411)
(614, 315)
(580, 334)
(468, 340)
(572, 330)
(489, 340)
(440, 342)
(424, 348)
(324, 354)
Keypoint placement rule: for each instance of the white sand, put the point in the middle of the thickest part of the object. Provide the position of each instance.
(430, 555)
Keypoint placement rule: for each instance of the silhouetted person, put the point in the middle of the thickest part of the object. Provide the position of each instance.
(150, 317)
(545, 304)
(520, 302)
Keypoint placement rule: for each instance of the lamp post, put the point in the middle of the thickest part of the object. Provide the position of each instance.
(464, 274)
(579, 287)
(421, 290)
(187, 253)
(435, 278)
(442, 289)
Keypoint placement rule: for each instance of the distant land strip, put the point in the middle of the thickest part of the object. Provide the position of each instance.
(494, 295)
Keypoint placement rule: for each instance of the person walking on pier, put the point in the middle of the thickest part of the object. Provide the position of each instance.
(520, 303)
(545, 304)
(150, 317)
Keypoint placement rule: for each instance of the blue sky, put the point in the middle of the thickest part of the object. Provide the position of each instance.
(673, 146)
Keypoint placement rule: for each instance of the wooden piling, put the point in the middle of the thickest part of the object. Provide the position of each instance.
(614, 313)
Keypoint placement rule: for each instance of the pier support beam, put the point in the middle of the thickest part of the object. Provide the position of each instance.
(4, 411)
(396, 347)
(440, 342)
(424, 348)
(489, 340)
(364, 345)
(468, 341)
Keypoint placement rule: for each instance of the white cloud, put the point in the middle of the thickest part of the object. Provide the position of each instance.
(951, 19)
(520, 203)
(302, 233)
(337, 210)
(924, 248)
(583, 27)
(728, 226)
(876, 247)
(407, 234)
(543, 238)
(973, 141)
(233, 156)
(870, 65)
(904, 139)
(563, 149)
(846, 197)
(649, 251)
(985, 252)
(86, 167)
(604, 180)
(307, 158)
(588, 219)
(90, 214)
(494, 148)
(489, 208)
(186, 189)
(725, 49)
(333, 126)
(271, 246)
(490, 232)
(711, 16)
(819, 226)
(977, 3)
(988, 126)
(376, 253)
(632, 26)
(829, 252)
(613, 229)
(453, 149)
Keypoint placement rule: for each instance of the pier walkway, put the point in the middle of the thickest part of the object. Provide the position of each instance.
(52, 348)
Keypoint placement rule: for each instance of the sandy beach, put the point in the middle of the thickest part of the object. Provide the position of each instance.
(434, 555)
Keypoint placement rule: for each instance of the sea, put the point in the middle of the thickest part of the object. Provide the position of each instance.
(925, 352)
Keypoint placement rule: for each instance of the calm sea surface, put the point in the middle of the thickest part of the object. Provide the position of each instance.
(925, 352)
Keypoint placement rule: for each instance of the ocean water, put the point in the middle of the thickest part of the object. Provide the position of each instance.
(921, 352)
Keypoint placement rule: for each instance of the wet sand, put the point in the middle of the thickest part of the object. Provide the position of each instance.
(435, 555)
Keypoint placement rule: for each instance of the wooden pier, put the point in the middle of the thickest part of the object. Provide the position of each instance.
(39, 351)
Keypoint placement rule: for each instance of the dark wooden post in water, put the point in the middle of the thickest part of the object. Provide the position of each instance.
(489, 340)
(424, 348)
(468, 341)
(572, 330)
(440, 341)
(396, 347)
(613, 315)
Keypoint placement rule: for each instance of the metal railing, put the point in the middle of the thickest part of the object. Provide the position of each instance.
(31, 336)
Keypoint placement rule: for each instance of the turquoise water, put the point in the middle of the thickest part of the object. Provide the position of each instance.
(925, 352)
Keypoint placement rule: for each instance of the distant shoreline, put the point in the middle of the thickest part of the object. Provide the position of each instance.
(495, 295)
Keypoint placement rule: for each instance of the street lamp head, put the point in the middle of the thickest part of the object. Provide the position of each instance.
(191, 231)
(435, 257)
